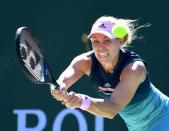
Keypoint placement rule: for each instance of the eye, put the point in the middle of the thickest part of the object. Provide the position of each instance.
(107, 40)
(95, 41)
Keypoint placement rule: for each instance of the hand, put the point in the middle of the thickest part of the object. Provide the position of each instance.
(73, 100)
(59, 94)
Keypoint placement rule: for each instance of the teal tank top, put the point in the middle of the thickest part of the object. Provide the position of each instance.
(149, 108)
(100, 79)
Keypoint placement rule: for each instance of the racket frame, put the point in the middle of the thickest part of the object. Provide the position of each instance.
(48, 74)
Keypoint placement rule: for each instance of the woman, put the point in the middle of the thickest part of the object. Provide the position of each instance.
(121, 77)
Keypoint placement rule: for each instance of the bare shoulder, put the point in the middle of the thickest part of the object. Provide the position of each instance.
(83, 62)
(136, 70)
(83, 57)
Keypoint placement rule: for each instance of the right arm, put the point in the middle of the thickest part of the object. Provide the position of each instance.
(80, 65)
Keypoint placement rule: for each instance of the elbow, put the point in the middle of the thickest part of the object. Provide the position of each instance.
(112, 110)
(108, 113)
(111, 115)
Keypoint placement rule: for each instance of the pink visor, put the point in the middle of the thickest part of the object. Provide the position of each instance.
(105, 27)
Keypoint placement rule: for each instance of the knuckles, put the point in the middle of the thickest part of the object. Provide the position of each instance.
(70, 100)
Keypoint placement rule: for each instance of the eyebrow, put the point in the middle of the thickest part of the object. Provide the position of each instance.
(103, 38)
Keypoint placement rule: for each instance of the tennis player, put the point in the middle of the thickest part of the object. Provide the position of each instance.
(121, 78)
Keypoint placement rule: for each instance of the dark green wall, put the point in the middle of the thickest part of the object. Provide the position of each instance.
(59, 26)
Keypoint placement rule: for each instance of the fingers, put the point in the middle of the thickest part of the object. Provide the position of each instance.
(70, 100)
(59, 94)
(73, 100)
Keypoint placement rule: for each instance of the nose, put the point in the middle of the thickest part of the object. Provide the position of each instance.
(101, 45)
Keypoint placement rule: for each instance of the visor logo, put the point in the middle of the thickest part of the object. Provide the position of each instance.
(102, 26)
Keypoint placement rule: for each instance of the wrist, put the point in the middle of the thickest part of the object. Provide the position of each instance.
(85, 102)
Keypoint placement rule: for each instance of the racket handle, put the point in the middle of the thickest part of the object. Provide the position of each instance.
(54, 85)
(57, 86)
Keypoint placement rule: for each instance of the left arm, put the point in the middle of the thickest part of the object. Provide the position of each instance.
(131, 77)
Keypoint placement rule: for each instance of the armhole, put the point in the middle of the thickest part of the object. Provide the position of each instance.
(132, 58)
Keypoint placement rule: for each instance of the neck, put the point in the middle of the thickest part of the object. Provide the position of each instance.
(109, 67)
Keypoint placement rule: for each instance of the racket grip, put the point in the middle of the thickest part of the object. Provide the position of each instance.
(57, 86)
(54, 85)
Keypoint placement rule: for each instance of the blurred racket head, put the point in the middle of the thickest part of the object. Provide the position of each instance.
(31, 58)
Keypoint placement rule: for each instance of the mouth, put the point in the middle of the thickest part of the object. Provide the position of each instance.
(103, 54)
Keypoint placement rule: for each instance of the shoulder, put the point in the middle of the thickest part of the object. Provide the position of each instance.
(83, 62)
(135, 70)
(84, 56)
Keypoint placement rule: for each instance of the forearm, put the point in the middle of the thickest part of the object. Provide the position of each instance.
(69, 77)
(101, 107)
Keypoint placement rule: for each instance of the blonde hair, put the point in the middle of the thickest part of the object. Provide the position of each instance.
(130, 25)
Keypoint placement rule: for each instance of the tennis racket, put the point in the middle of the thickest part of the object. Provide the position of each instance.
(32, 59)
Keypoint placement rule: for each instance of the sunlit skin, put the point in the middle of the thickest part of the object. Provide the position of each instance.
(106, 50)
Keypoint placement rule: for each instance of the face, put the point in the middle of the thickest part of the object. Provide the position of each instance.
(105, 48)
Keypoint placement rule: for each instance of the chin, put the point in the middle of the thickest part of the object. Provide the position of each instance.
(103, 60)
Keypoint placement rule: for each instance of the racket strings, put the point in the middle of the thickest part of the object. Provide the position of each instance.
(31, 43)
(32, 56)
